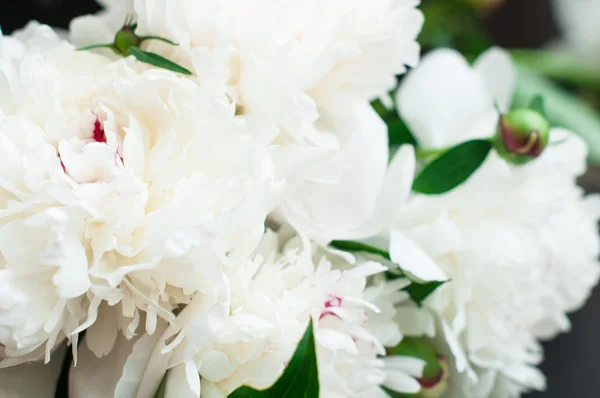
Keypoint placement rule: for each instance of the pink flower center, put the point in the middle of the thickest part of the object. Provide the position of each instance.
(334, 301)
(99, 135)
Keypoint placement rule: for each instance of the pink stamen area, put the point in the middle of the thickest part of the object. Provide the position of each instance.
(99, 135)
(334, 301)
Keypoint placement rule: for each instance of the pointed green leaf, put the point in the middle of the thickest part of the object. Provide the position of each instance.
(417, 290)
(300, 378)
(537, 104)
(452, 168)
(94, 46)
(158, 61)
(144, 38)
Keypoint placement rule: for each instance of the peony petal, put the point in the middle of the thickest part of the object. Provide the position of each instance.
(183, 381)
(498, 73)
(413, 259)
(33, 379)
(441, 98)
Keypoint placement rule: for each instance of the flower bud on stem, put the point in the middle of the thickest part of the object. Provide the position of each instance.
(522, 136)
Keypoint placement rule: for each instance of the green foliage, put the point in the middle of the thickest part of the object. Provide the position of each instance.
(452, 168)
(158, 61)
(300, 378)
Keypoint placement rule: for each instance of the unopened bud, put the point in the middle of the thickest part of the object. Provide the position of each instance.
(522, 135)
(436, 387)
(125, 39)
(434, 381)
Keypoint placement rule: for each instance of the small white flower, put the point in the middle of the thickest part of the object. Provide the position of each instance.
(134, 189)
(519, 245)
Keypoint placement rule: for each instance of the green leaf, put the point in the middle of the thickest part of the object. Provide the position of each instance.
(563, 109)
(417, 290)
(158, 61)
(144, 38)
(452, 168)
(385, 113)
(558, 65)
(399, 134)
(94, 46)
(160, 393)
(300, 379)
(537, 104)
(354, 246)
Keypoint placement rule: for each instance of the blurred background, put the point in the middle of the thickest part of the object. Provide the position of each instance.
(566, 72)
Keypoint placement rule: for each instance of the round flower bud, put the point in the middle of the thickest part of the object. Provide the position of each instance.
(434, 381)
(125, 39)
(435, 388)
(521, 136)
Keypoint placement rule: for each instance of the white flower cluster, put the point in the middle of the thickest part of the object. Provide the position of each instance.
(134, 204)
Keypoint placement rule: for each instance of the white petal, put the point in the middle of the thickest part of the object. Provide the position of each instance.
(143, 356)
(496, 69)
(441, 98)
(364, 163)
(183, 381)
(34, 379)
(412, 366)
(413, 259)
(401, 382)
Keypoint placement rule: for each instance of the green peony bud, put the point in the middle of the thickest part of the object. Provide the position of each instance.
(125, 39)
(521, 136)
(435, 388)
(434, 381)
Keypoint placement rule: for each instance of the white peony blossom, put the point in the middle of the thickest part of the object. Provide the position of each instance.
(307, 71)
(519, 244)
(271, 300)
(134, 189)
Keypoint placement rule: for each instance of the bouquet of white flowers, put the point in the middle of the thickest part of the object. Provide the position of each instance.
(258, 198)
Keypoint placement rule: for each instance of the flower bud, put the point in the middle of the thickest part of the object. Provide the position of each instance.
(434, 381)
(521, 136)
(435, 388)
(125, 39)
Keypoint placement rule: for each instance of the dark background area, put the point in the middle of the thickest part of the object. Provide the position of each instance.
(572, 360)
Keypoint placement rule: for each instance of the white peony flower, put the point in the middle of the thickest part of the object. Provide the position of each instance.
(519, 244)
(271, 300)
(132, 189)
(307, 71)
